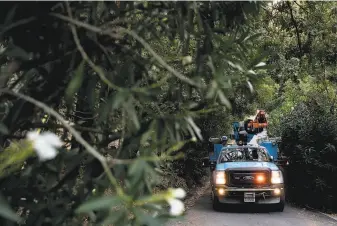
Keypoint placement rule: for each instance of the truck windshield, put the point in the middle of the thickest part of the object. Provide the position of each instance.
(243, 154)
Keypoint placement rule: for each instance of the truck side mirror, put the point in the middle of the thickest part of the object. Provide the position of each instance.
(271, 158)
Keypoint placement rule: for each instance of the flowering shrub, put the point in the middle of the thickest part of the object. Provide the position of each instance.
(141, 75)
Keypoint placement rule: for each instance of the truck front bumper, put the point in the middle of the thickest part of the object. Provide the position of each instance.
(234, 195)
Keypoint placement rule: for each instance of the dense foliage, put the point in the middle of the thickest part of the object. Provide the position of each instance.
(131, 83)
(309, 140)
(301, 38)
(137, 89)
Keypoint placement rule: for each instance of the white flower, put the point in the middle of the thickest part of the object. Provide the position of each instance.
(45, 144)
(176, 206)
(178, 193)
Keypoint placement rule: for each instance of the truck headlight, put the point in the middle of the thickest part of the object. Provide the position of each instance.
(220, 177)
(276, 177)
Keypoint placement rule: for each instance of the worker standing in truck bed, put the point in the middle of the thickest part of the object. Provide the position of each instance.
(224, 141)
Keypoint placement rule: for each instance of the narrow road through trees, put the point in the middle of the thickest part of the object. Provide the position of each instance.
(202, 214)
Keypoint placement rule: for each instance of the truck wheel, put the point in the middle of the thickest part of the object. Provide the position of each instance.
(216, 204)
(280, 206)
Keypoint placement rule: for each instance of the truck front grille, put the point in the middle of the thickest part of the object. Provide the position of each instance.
(248, 178)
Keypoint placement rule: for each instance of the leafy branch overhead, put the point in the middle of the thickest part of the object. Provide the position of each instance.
(133, 90)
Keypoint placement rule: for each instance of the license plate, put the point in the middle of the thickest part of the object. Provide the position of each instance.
(249, 197)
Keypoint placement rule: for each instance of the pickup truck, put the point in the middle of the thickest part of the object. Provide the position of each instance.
(246, 174)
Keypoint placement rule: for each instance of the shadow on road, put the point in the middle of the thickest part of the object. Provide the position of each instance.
(247, 209)
(202, 214)
(205, 204)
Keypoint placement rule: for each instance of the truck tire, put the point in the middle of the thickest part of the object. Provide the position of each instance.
(216, 204)
(280, 206)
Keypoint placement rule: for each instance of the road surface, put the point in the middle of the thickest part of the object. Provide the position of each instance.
(202, 214)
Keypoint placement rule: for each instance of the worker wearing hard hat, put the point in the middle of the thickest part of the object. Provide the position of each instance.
(224, 141)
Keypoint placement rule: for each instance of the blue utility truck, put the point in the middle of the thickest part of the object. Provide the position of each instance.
(245, 171)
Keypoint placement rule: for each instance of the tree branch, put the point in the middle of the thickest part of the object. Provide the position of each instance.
(296, 28)
(76, 135)
(85, 56)
(118, 30)
(77, 127)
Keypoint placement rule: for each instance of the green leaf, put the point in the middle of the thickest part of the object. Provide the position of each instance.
(260, 57)
(252, 37)
(137, 174)
(152, 206)
(250, 86)
(235, 65)
(148, 134)
(176, 147)
(223, 99)
(16, 52)
(119, 98)
(195, 127)
(243, 37)
(131, 111)
(212, 90)
(266, 67)
(6, 211)
(3, 129)
(146, 219)
(76, 82)
(114, 217)
(137, 167)
(100, 203)
(10, 16)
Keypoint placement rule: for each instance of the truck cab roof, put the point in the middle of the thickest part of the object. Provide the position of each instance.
(245, 156)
